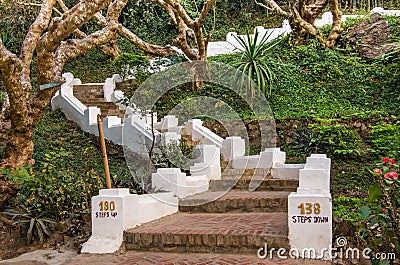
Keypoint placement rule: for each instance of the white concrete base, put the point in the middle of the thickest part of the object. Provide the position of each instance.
(115, 210)
(102, 244)
(287, 171)
(271, 157)
(246, 162)
(310, 229)
(181, 185)
(209, 162)
(233, 147)
(213, 172)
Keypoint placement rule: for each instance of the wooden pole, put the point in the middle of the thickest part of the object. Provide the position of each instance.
(104, 151)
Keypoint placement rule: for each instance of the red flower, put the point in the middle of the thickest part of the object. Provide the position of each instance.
(378, 171)
(391, 175)
(384, 209)
(388, 160)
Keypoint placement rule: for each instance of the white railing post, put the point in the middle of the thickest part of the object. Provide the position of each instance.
(310, 210)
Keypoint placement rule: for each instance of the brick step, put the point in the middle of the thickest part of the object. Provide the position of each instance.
(221, 233)
(88, 91)
(235, 201)
(100, 104)
(89, 86)
(245, 174)
(265, 185)
(90, 96)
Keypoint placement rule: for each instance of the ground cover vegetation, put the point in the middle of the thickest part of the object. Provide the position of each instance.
(324, 100)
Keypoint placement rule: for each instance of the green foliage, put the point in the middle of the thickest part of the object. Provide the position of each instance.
(347, 208)
(304, 141)
(331, 83)
(175, 154)
(33, 222)
(149, 22)
(132, 64)
(394, 25)
(334, 140)
(54, 190)
(386, 139)
(67, 169)
(93, 66)
(15, 21)
(2, 97)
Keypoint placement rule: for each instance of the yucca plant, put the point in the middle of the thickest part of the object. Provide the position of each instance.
(254, 62)
(36, 223)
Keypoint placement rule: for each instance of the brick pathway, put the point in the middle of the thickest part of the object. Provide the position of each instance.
(238, 224)
(229, 233)
(163, 258)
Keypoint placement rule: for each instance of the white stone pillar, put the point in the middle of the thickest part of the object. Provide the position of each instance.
(108, 89)
(310, 210)
(111, 211)
(177, 182)
(233, 147)
(166, 123)
(210, 162)
(271, 157)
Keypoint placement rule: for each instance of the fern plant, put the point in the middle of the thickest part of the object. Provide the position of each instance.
(254, 62)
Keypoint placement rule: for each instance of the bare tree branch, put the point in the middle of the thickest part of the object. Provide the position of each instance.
(6, 58)
(35, 30)
(307, 26)
(168, 9)
(203, 14)
(61, 28)
(177, 7)
(112, 51)
(72, 48)
(272, 5)
(147, 47)
(336, 29)
(182, 43)
(315, 9)
(133, 38)
(115, 9)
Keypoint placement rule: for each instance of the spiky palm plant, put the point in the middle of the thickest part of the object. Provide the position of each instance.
(255, 63)
(36, 223)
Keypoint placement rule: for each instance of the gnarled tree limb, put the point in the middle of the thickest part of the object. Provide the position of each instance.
(272, 5)
(35, 31)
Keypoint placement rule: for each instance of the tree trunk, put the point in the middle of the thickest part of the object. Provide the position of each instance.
(19, 149)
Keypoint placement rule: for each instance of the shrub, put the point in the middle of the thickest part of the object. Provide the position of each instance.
(54, 190)
(380, 219)
(334, 140)
(386, 139)
(347, 208)
(127, 64)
